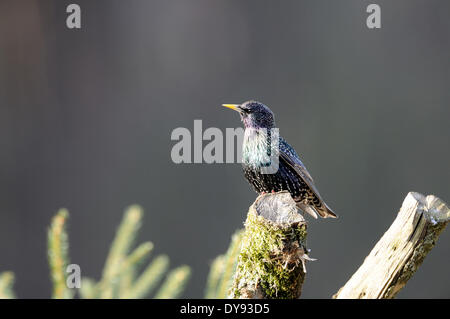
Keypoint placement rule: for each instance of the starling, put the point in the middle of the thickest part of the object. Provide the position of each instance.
(291, 175)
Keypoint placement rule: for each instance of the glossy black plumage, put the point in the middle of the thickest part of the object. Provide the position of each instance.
(291, 175)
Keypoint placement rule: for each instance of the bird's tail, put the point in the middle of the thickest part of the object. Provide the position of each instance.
(327, 212)
(324, 211)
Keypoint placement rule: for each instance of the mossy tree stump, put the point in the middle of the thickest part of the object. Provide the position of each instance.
(271, 263)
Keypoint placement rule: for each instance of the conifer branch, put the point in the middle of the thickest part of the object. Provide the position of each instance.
(58, 259)
(6, 284)
(174, 284)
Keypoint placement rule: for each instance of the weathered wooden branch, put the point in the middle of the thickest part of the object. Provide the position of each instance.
(271, 262)
(400, 251)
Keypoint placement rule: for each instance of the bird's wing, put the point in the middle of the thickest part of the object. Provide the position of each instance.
(290, 157)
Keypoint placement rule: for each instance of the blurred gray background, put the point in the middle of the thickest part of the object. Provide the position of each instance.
(86, 117)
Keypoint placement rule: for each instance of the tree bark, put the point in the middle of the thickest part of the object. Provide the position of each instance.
(271, 263)
(401, 250)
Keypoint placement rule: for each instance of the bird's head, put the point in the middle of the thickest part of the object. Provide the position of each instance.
(254, 114)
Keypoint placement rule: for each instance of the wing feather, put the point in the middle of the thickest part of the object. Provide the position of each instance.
(294, 162)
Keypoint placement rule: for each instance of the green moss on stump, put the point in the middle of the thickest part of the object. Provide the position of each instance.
(270, 261)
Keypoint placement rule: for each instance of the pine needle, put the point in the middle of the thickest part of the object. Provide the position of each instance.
(214, 277)
(231, 258)
(174, 284)
(120, 247)
(58, 247)
(147, 281)
(6, 283)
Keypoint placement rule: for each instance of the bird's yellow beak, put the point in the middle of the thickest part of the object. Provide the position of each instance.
(234, 107)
